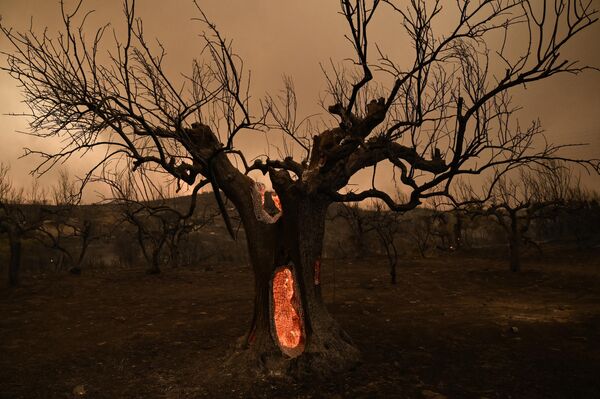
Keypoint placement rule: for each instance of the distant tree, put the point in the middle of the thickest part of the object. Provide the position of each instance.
(159, 227)
(535, 193)
(458, 230)
(445, 225)
(584, 220)
(17, 220)
(387, 226)
(441, 113)
(578, 220)
(66, 228)
(359, 222)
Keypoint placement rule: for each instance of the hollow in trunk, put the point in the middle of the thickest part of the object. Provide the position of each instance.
(292, 332)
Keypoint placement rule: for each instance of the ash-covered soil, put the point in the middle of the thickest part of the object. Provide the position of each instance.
(455, 326)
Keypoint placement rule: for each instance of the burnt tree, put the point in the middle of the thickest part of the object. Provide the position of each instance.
(359, 223)
(18, 220)
(159, 226)
(444, 114)
(388, 227)
(66, 228)
(517, 200)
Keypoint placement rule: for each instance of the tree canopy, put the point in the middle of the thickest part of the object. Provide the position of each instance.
(447, 114)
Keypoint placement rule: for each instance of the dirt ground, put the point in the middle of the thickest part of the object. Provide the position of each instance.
(457, 327)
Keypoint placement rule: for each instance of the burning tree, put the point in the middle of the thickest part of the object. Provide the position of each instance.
(446, 113)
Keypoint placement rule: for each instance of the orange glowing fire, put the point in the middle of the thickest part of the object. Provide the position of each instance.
(288, 323)
(263, 190)
(276, 201)
(260, 187)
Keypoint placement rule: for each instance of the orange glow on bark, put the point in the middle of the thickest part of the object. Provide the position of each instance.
(288, 323)
(260, 187)
(276, 201)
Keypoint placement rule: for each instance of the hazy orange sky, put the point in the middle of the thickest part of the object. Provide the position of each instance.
(277, 37)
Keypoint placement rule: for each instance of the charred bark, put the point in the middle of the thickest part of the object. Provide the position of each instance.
(458, 231)
(14, 264)
(514, 245)
(515, 260)
(294, 241)
(391, 253)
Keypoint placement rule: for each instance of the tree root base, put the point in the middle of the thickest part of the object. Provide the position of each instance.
(266, 361)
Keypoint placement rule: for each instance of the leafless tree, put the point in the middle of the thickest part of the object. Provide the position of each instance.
(535, 193)
(458, 230)
(445, 225)
(445, 114)
(159, 227)
(359, 222)
(581, 220)
(419, 228)
(65, 223)
(17, 220)
(8, 225)
(387, 226)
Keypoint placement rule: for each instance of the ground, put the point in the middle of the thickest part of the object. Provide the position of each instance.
(455, 326)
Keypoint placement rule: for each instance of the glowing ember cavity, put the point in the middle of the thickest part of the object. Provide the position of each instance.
(276, 201)
(260, 187)
(258, 201)
(288, 322)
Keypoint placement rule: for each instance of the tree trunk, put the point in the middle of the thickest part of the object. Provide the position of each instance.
(291, 333)
(76, 269)
(15, 258)
(394, 262)
(514, 245)
(311, 342)
(155, 262)
(361, 249)
(515, 261)
(390, 252)
(458, 232)
(60, 261)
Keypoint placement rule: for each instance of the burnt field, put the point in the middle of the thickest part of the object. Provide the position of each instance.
(458, 326)
(365, 199)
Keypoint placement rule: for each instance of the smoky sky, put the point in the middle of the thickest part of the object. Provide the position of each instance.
(286, 37)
